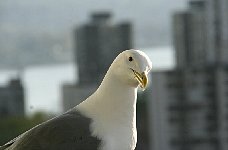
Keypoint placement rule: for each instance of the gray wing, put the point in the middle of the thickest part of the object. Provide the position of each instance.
(70, 131)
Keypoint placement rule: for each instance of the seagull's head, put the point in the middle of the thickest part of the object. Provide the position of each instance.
(132, 67)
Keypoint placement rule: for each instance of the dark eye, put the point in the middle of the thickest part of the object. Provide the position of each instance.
(130, 58)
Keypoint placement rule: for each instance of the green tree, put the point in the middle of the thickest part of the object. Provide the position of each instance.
(11, 127)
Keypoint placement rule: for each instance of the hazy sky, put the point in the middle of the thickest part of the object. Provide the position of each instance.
(151, 18)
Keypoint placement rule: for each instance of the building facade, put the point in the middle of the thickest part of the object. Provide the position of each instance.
(12, 99)
(98, 42)
(189, 106)
(200, 33)
(190, 35)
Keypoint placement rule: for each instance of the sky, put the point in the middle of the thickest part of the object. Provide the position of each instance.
(151, 19)
(42, 31)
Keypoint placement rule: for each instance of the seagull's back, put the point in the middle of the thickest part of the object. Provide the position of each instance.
(68, 131)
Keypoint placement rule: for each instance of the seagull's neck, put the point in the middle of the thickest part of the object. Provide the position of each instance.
(113, 99)
(118, 96)
(113, 109)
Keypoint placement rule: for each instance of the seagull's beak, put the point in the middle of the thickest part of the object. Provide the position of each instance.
(141, 78)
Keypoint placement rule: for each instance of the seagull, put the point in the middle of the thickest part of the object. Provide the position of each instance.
(106, 120)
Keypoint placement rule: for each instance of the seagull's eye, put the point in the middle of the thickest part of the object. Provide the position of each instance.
(130, 58)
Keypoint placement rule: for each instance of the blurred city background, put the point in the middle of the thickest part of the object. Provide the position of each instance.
(53, 54)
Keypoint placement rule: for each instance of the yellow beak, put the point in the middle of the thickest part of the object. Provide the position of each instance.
(142, 79)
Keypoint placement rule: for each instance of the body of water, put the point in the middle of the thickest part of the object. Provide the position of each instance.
(43, 83)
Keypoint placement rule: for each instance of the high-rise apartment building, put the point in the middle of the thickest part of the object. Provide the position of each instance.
(217, 29)
(189, 106)
(200, 33)
(190, 35)
(98, 42)
(190, 109)
(12, 99)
